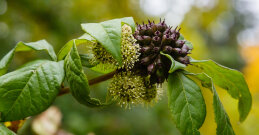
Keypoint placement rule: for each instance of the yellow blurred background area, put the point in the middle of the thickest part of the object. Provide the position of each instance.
(226, 31)
(251, 70)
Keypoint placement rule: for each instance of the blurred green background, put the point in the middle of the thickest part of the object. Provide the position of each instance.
(226, 31)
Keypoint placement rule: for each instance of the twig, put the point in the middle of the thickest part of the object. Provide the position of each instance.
(65, 90)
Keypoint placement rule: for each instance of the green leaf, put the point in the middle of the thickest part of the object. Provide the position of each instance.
(30, 89)
(5, 131)
(108, 34)
(129, 21)
(41, 45)
(87, 37)
(181, 37)
(231, 80)
(85, 43)
(175, 64)
(85, 40)
(188, 43)
(5, 62)
(100, 68)
(224, 126)
(85, 60)
(186, 103)
(77, 79)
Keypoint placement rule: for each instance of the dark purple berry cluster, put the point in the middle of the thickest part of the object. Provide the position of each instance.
(154, 38)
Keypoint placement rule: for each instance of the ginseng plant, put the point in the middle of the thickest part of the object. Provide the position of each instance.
(138, 59)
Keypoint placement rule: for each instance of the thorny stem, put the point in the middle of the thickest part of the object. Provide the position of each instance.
(65, 90)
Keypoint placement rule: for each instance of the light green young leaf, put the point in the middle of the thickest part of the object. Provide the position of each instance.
(30, 89)
(175, 64)
(41, 45)
(108, 34)
(231, 80)
(85, 40)
(77, 79)
(5, 131)
(129, 21)
(224, 126)
(186, 103)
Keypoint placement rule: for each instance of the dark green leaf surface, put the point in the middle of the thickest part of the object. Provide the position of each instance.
(77, 79)
(175, 64)
(224, 126)
(41, 45)
(108, 34)
(5, 131)
(30, 89)
(231, 80)
(186, 103)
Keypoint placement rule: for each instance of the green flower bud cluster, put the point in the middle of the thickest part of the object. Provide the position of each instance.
(104, 58)
(129, 89)
(129, 48)
(152, 94)
(129, 51)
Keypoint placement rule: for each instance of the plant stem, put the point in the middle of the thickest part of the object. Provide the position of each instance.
(101, 78)
(65, 90)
